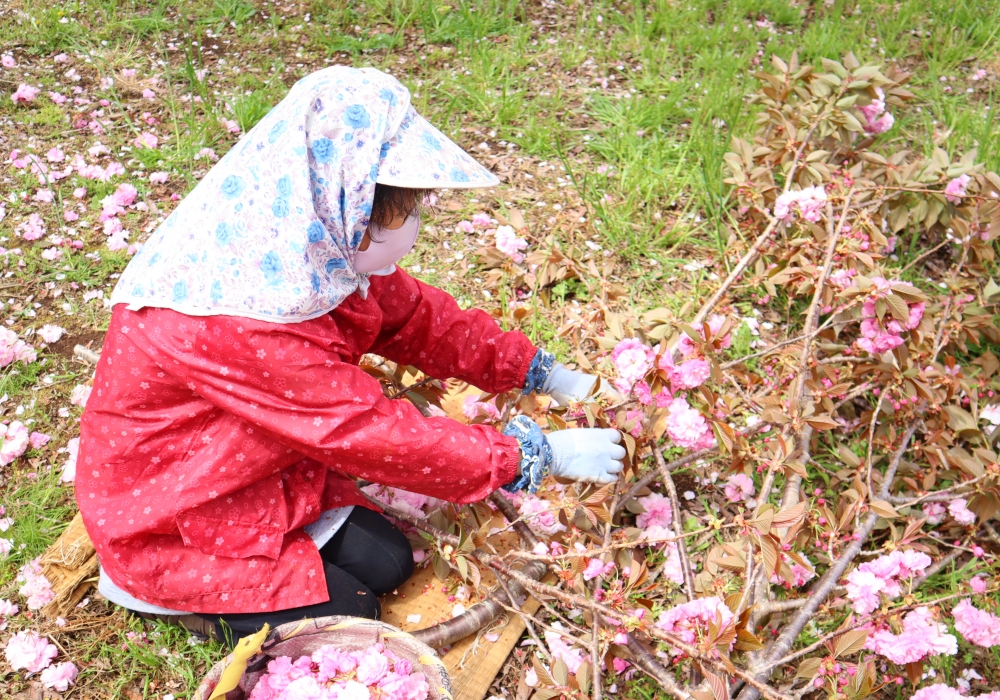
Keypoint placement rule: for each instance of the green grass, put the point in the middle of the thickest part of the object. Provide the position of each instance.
(636, 101)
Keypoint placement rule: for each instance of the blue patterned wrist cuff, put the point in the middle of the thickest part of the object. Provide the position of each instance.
(536, 454)
(538, 372)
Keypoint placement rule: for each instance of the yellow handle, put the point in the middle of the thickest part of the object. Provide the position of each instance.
(245, 649)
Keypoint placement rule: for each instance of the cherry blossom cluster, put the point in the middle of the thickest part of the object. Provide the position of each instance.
(879, 336)
(27, 651)
(331, 674)
(883, 577)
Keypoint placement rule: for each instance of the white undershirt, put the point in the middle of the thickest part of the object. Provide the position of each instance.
(321, 532)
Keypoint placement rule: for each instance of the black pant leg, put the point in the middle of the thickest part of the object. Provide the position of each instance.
(371, 549)
(348, 596)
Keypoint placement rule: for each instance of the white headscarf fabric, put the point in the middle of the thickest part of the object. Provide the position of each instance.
(272, 230)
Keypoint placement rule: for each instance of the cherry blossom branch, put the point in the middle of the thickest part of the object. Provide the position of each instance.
(821, 590)
(682, 552)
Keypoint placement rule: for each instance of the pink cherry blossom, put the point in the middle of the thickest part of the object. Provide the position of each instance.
(863, 588)
(25, 94)
(877, 119)
(978, 584)
(15, 441)
(597, 569)
(692, 373)
(940, 691)
(482, 220)
(955, 189)
(125, 195)
(739, 487)
(80, 192)
(632, 360)
(44, 196)
(933, 512)
(60, 676)
(539, 515)
(809, 201)
(55, 155)
(51, 333)
(7, 61)
(26, 650)
(921, 637)
(158, 178)
(715, 322)
(687, 427)
(509, 244)
(657, 511)
(561, 649)
(69, 468)
(960, 512)
(465, 227)
(7, 610)
(81, 392)
(690, 620)
(146, 140)
(60, 58)
(977, 626)
(38, 440)
(32, 229)
(472, 409)
(207, 153)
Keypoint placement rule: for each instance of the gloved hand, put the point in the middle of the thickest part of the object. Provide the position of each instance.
(565, 385)
(592, 455)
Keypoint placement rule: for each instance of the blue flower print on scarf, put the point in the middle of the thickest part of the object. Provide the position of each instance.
(315, 282)
(285, 186)
(315, 232)
(323, 150)
(389, 96)
(431, 140)
(459, 175)
(276, 131)
(232, 187)
(180, 291)
(271, 266)
(223, 233)
(356, 117)
(279, 207)
(335, 264)
(216, 291)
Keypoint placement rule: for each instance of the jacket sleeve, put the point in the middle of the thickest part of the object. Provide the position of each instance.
(303, 396)
(424, 327)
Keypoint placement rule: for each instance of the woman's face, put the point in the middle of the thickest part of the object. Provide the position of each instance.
(392, 226)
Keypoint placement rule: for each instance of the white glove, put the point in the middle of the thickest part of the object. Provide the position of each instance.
(592, 455)
(565, 385)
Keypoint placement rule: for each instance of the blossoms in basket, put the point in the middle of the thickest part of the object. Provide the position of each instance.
(331, 674)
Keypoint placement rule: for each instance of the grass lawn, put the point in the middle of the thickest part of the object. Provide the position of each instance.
(607, 122)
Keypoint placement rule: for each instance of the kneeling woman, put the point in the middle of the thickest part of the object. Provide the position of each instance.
(229, 417)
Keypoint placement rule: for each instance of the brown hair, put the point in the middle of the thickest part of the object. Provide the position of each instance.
(391, 202)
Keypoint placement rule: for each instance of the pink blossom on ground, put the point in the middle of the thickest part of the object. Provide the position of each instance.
(690, 620)
(27, 651)
(60, 58)
(38, 440)
(8, 61)
(509, 244)
(80, 192)
(81, 392)
(921, 637)
(657, 511)
(465, 227)
(69, 215)
(960, 512)
(687, 427)
(809, 201)
(5, 547)
(44, 196)
(955, 189)
(15, 439)
(24, 94)
(7, 610)
(231, 126)
(207, 153)
(482, 220)
(69, 468)
(739, 487)
(940, 691)
(125, 195)
(55, 155)
(51, 333)
(978, 584)
(146, 140)
(158, 178)
(148, 94)
(561, 649)
(977, 626)
(539, 515)
(32, 229)
(52, 254)
(60, 676)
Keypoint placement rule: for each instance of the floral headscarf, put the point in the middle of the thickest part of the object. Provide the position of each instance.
(272, 230)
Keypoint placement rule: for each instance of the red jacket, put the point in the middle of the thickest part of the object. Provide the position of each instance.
(209, 442)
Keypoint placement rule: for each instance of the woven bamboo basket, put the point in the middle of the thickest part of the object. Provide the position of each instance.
(234, 677)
